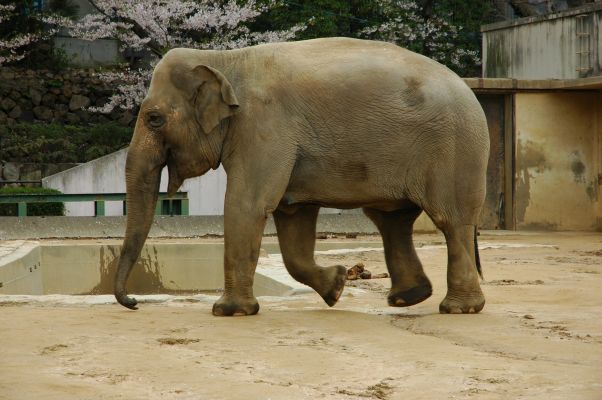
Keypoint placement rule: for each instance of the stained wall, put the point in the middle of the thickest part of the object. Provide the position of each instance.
(565, 45)
(558, 161)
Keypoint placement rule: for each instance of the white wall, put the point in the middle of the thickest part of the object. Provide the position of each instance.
(106, 175)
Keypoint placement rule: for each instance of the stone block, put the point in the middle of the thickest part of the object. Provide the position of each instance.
(15, 112)
(11, 171)
(48, 100)
(15, 95)
(77, 102)
(43, 113)
(7, 104)
(36, 96)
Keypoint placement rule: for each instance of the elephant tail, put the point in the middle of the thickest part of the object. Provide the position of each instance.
(476, 253)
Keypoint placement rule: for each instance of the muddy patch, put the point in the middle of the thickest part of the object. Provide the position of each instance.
(52, 349)
(175, 341)
(382, 390)
(511, 282)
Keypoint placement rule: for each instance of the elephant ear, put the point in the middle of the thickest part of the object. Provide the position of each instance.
(214, 99)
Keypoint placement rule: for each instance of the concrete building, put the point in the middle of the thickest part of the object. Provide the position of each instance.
(542, 94)
(87, 53)
(564, 45)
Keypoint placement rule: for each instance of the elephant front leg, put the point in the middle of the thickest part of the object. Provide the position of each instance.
(297, 238)
(243, 230)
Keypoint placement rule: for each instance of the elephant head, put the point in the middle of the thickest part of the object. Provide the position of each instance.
(179, 125)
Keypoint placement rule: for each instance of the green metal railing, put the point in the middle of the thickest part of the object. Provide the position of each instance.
(175, 205)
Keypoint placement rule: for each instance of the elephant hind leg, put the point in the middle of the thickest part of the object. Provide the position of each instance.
(409, 283)
(464, 293)
(297, 238)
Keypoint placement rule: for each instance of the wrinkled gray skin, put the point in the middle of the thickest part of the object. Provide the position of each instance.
(334, 122)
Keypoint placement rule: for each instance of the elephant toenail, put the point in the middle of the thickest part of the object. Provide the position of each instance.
(471, 310)
(400, 302)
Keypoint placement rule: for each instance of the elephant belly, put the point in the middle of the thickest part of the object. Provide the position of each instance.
(344, 194)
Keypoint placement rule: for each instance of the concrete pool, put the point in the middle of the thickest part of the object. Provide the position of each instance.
(177, 268)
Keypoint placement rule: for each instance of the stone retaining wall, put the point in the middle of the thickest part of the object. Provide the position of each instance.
(40, 95)
(14, 171)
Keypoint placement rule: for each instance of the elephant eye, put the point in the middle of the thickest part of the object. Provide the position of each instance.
(154, 119)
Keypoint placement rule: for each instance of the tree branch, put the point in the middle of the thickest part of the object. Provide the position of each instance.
(152, 45)
(524, 8)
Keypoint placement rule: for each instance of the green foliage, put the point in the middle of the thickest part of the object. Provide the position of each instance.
(469, 15)
(326, 18)
(55, 143)
(33, 209)
(65, 8)
(349, 18)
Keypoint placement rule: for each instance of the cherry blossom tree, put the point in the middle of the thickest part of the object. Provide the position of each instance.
(415, 26)
(157, 26)
(15, 43)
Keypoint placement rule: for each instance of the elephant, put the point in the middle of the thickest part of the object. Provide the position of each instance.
(334, 122)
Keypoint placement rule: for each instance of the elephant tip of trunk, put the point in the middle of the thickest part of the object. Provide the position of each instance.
(126, 301)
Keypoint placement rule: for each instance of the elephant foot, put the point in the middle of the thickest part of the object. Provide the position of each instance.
(409, 297)
(126, 301)
(227, 306)
(462, 303)
(336, 275)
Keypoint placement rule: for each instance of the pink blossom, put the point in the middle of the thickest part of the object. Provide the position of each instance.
(161, 25)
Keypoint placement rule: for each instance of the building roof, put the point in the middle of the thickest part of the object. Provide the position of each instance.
(540, 18)
(509, 84)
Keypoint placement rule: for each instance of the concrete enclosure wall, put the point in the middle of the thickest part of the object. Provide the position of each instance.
(562, 46)
(176, 268)
(87, 53)
(558, 160)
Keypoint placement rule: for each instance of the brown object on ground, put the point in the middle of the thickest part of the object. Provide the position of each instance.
(351, 235)
(359, 271)
(366, 274)
(321, 236)
(354, 272)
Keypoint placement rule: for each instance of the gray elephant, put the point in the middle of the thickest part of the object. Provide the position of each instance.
(335, 122)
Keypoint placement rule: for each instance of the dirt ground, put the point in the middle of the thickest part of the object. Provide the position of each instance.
(538, 337)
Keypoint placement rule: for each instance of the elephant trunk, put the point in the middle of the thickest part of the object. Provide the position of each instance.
(142, 187)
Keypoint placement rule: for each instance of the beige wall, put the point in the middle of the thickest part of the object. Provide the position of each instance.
(558, 160)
